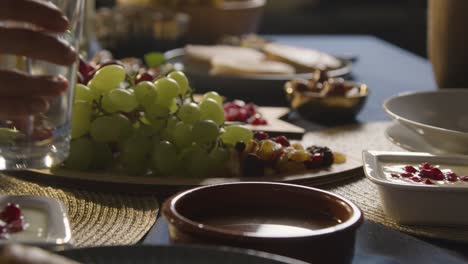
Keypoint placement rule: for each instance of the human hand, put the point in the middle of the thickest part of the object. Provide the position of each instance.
(22, 94)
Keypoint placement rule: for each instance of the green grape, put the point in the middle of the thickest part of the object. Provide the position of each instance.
(182, 80)
(145, 93)
(125, 125)
(182, 135)
(157, 111)
(167, 90)
(219, 158)
(235, 134)
(105, 129)
(144, 130)
(124, 100)
(81, 118)
(197, 161)
(189, 113)
(83, 93)
(134, 154)
(168, 131)
(108, 78)
(205, 131)
(174, 106)
(102, 156)
(107, 104)
(211, 110)
(164, 158)
(215, 96)
(81, 154)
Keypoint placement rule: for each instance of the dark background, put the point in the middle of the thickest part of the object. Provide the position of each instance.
(401, 22)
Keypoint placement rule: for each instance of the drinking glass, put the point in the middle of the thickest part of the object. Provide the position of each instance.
(42, 140)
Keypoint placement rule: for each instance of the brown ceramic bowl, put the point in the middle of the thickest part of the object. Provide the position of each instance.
(291, 220)
(326, 109)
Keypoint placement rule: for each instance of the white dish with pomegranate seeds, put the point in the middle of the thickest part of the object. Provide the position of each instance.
(420, 188)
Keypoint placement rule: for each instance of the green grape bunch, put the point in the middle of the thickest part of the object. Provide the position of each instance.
(150, 126)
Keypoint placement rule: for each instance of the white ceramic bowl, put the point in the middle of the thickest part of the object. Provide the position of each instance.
(439, 117)
(419, 203)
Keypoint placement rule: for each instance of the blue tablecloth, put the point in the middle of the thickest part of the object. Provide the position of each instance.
(388, 71)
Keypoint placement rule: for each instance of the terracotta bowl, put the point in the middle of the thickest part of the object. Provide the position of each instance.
(209, 24)
(296, 221)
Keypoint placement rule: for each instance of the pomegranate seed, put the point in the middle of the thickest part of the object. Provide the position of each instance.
(258, 121)
(261, 135)
(452, 177)
(394, 175)
(85, 68)
(427, 181)
(425, 166)
(464, 178)
(16, 226)
(242, 115)
(317, 157)
(282, 140)
(410, 169)
(436, 174)
(11, 213)
(231, 105)
(251, 109)
(145, 76)
(406, 175)
(416, 179)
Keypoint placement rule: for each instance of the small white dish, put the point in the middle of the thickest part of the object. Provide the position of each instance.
(419, 203)
(406, 138)
(440, 117)
(47, 219)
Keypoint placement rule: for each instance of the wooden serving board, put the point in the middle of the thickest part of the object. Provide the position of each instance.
(276, 125)
(168, 185)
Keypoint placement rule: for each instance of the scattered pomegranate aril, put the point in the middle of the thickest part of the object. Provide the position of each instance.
(394, 175)
(410, 169)
(425, 166)
(436, 174)
(427, 181)
(464, 178)
(452, 177)
(258, 121)
(416, 179)
(282, 140)
(241, 112)
(16, 226)
(11, 213)
(145, 76)
(261, 135)
(85, 68)
(406, 175)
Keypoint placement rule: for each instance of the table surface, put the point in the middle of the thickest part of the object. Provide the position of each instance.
(388, 70)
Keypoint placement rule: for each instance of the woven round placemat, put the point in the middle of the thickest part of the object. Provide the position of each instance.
(353, 140)
(96, 218)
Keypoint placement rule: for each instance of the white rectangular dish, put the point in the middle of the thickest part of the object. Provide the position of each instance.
(407, 202)
(46, 217)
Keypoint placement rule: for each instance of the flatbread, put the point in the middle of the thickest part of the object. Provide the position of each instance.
(204, 54)
(302, 59)
(238, 66)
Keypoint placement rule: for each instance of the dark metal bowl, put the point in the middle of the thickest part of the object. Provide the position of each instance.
(326, 109)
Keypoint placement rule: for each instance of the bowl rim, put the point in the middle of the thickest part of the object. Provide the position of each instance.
(415, 123)
(288, 85)
(373, 155)
(173, 216)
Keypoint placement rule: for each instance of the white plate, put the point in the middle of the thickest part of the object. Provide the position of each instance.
(413, 203)
(408, 139)
(47, 219)
(440, 118)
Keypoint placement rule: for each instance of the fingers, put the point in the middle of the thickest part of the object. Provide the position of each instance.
(17, 107)
(35, 45)
(36, 12)
(17, 84)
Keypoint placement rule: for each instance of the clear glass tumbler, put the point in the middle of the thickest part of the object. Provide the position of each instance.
(42, 140)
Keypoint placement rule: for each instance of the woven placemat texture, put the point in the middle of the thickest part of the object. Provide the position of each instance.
(352, 140)
(96, 219)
